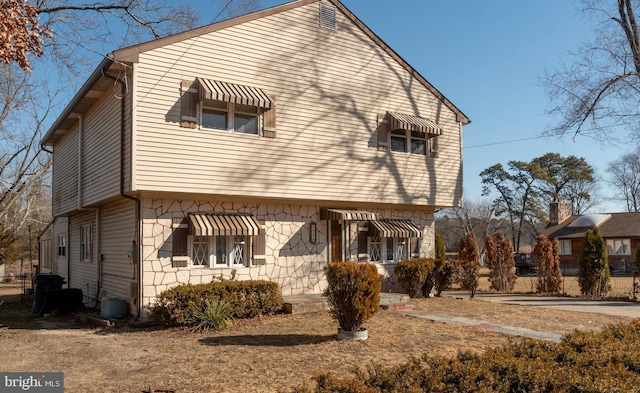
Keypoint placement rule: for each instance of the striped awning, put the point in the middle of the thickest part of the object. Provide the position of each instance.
(395, 228)
(347, 214)
(230, 92)
(412, 123)
(210, 224)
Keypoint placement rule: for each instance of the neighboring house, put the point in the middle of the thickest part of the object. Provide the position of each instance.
(620, 231)
(261, 147)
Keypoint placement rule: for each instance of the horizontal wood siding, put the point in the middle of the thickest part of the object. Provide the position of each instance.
(101, 151)
(330, 87)
(117, 232)
(127, 142)
(60, 263)
(84, 275)
(65, 174)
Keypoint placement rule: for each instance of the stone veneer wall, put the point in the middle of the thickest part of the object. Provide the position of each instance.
(291, 260)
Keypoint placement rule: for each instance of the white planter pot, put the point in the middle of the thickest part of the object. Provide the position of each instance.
(353, 336)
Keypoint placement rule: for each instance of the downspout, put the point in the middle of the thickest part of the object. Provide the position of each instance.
(136, 247)
(67, 252)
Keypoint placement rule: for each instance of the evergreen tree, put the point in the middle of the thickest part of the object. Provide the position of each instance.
(546, 254)
(501, 263)
(593, 273)
(468, 254)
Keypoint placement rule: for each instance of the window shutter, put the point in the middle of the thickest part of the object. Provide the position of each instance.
(415, 247)
(383, 133)
(189, 105)
(180, 256)
(433, 146)
(362, 240)
(259, 246)
(269, 119)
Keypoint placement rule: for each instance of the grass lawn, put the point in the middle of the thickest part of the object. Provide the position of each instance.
(261, 355)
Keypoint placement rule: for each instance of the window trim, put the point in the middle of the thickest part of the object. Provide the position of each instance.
(230, 118)
(62, 245)
(561, 249)
(211, 262)
(383, 248)
(86, 243)
(626, 244)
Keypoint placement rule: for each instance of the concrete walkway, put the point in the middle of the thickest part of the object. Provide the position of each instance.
(399, 303)
(479, 324)
(618, 308)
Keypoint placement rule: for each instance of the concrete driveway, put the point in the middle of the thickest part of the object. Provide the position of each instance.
(619, 308)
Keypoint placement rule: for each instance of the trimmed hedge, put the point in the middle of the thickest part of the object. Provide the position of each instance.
(412, 274)
(584, 362)
(247, 299)
(353, 293)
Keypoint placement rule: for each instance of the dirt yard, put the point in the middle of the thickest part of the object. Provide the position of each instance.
(262, 355)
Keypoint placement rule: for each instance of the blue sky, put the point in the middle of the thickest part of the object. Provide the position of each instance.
(486, 56)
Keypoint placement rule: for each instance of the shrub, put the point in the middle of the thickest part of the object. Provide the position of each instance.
(412, 273)
(546, 254)
(246, 299)
(468, 275)
(593, 272)
(212, 315)
(501, 263)
(446, 272)
(595, 362)
(469, 268)
(439, 276)
(353, 293)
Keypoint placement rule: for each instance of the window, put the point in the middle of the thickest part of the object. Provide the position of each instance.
(619, 246)
(229, 107)
(414, 142)
(399, 140)
(230, 117)
(219, 251)
(62, 245)
(388, 249)
(408, 134)
(564, 247)
(375, 249)
(86, 243)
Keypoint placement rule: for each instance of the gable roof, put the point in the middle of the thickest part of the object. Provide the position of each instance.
(84, 97)
(617, 225)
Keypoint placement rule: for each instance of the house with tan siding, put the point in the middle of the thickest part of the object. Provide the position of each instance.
(261, 147)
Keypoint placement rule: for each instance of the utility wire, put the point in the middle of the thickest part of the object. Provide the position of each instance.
(587, 133)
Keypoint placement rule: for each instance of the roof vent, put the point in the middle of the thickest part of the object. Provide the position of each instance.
(327, 16)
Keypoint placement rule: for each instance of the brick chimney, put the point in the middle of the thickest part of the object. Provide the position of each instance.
(558, 212)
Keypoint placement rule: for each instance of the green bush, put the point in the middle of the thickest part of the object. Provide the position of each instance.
(247, 299)
(594, 362)
(468, 275)
(353, 293)
(412, 274)
(212, 315)
(446, 273)
(594, 277)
